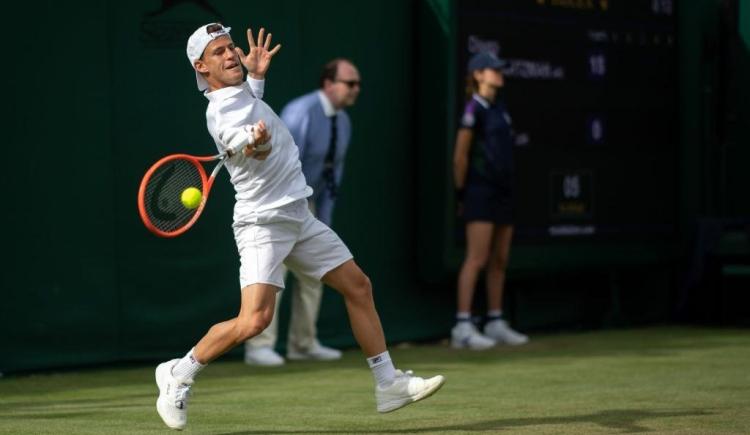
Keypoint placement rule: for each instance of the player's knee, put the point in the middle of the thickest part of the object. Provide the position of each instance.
(361, 288)
(249, 328)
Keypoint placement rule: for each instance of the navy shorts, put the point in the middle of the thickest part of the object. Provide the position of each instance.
(488, 203)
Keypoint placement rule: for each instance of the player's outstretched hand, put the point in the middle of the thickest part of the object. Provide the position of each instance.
(258, 59)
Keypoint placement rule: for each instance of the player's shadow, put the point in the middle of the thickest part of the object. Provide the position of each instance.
(624, 420)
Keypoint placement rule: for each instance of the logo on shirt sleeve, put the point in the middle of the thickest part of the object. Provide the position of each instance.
(468, 119)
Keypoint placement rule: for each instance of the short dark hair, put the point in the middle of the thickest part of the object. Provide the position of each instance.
(330, 70)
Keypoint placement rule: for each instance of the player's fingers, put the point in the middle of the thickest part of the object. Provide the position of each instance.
(250, 39)
(260, 134)
(268, 41)
(261, 36)
(263, 138)
(240, 53)
(275, 49)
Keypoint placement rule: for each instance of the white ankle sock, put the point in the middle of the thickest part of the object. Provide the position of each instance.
(187, 367)
(382, 369)
(494, 314)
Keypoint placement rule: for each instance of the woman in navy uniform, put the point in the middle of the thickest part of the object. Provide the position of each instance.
(483, 175)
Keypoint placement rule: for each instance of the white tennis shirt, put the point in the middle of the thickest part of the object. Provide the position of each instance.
(260, 185)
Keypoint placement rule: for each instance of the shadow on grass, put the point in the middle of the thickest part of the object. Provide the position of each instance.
(77, 403)
(627, 420)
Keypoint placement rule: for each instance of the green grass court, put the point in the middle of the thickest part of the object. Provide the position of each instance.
(674, 380)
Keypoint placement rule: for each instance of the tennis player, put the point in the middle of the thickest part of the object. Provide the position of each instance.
(272, 225)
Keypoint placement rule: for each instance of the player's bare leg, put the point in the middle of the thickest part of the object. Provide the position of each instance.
(395, 389)
(175, 378)
(256, 312)
(349, 280)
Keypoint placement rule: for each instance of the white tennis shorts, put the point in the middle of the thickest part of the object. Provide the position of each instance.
(288, 235)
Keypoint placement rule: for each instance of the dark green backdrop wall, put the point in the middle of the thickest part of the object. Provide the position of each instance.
(99, 91)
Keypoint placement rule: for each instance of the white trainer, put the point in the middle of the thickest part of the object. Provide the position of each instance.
(173, 396)
(316, 352)
(406, 389)
(262, 356)
(465, 336)
(502, 333)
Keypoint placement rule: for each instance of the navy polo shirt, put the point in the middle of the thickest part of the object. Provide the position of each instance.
(491, 155)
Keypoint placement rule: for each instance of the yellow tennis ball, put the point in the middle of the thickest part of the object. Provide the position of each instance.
(191, 197)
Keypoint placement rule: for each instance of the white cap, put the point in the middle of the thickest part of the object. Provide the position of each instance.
(197, 44)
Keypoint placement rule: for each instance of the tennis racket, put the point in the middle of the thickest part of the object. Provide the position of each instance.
(160, 194)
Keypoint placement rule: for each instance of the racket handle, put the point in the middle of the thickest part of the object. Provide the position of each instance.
(235, 149)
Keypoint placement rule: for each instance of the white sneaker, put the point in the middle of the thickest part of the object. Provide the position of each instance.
(502, 333)
(317, 352)
(465, 336)
(173, 396)
(406, 389)
(262, 356)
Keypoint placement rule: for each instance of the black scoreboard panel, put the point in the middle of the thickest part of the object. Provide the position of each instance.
(592, 88)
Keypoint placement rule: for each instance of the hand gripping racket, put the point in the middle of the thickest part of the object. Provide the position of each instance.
(160, 194)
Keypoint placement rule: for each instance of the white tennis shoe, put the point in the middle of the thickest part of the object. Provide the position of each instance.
(316, 352)
(173, 396)
(465, 336)
(406, 389)
(499, 331)
(262, 356)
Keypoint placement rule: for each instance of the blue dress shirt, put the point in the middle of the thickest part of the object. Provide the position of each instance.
(309, 120)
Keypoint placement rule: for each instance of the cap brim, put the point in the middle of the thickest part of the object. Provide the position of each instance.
(498, 65)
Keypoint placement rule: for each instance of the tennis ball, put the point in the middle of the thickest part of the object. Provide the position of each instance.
(191, 197)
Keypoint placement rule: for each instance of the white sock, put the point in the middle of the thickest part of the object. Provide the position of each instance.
(187, 367)
(462, 317)
(382, 369)
(494, 315)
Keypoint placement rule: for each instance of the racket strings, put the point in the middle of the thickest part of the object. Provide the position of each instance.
(163, 192)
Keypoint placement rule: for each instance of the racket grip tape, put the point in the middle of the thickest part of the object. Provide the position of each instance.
(240, 146)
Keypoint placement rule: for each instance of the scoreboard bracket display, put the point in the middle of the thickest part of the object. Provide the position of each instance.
(591, 86)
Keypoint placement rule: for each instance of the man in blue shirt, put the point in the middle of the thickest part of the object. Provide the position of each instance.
(321, 129)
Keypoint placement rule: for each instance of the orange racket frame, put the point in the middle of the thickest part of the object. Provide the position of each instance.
(206, 182)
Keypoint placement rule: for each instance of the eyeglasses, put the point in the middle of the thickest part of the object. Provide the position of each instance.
(350, 83)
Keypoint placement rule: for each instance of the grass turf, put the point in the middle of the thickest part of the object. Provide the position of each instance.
(659, 380)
